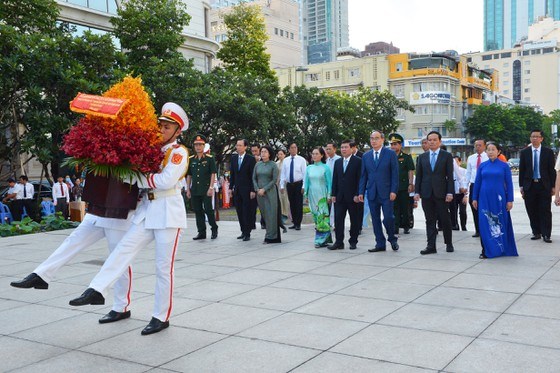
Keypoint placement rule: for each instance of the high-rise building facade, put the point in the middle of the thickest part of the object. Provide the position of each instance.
(324, 29)
(506, 22)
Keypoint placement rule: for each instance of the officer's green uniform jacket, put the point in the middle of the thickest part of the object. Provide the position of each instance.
(201, 170)
(405, 164)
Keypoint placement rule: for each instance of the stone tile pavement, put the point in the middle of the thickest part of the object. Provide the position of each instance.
(248, 307)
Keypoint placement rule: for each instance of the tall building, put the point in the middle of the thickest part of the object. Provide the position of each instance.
(324, 29)
(281, 18)
(506, 22)
(380, 47)
(528, 73)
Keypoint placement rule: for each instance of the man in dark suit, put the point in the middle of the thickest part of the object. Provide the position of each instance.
(380, 177)
(345, 188)
(436, 187)
(241, 188)
(358, 153)
(536, 182)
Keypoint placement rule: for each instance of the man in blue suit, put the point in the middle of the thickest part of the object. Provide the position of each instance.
(380, 177)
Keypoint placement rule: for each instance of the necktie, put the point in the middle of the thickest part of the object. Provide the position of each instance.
(239, 163)
(376, 158)
(536, 173)
(61, 190)
(433, 160)
(478, 160)
(292, 169)
(345, 164)
(25, 191)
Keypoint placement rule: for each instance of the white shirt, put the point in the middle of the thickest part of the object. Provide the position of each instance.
(29, 191)
(57, 191)
(471, 166)
(557, 166)
(300, 164)
(459, 177)
(330, 162)
(18, 190)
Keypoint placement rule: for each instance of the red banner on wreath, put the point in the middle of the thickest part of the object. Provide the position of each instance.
(97, 105)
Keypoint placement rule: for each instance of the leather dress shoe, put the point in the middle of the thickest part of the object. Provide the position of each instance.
(377, 249)
(336, 246)
(199, 236)
(214, 234)
(476, 235)
(90, 296)
(449, 248)
(31, 281)
(246, 238)
(241, 237)
(292, 227)
(536, 237)
(546, 239)
(113, 316)
(407, 231)
(298, 228)
(353, 246)
(155, 326)
(395, 246)
(427, 251)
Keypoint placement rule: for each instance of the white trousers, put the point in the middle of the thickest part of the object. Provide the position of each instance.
(85, 235)
(134, 240)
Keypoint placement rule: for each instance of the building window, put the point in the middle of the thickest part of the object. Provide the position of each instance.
(527, 99)
(311, 77)
(526, 90)
(337, 74)
(527, 62)
(107, 6)
(398, 91)
(547, 50)
(527, 81)
(505, 83)
(506, 74)
(354, 72)
(536, 51)
(506, 91)
(398, 66)
(496, 56)
(527, 72)
(276, 31)
(281, 32)
(420, 132)
(506, 55)
(526, 53)
(328, 75)
(506, 64)
(486, 57)
(292, 35)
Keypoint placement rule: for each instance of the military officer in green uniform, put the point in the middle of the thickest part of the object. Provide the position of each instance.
(406, 184)
(201, 176)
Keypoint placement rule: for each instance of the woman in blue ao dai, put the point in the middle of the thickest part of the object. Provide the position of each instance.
(317, 189)
(493, 199)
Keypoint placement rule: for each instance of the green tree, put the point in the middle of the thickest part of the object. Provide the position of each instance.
(150, 32)
(244, 50)
(42, 68)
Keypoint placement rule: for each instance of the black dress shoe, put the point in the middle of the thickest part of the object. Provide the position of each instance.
(395, 246)
(246, 238)
(449, 248)
(407, 231)
(476, 235)
(427, 251)
(200, 236)
(241, 237)
(284, 230)
(31, 281)
(90, 296)
(463, 228)
(155, 326)
(536, 237)
(547, 239)
(298, 228)
(353, 246)
(292, 227)
(377, 249)
(336, 246)
(113, 316)
(214, 234)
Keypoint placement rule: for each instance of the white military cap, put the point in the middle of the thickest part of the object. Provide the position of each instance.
(172, 112)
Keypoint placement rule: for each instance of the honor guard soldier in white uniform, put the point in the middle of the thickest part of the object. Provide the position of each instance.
(161, 216)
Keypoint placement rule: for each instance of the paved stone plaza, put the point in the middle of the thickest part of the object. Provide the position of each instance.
(248, 307)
